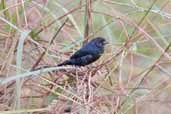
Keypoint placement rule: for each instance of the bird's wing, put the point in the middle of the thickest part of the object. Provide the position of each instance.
(81, 61)
(85, 50)
(87, 59)
(84, 60)
(79, 53)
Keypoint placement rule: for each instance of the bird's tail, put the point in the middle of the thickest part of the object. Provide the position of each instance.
(64, 63)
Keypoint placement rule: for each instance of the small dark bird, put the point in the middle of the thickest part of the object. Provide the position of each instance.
(88, 53)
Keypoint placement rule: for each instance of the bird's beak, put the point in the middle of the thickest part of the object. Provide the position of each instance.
(106, 42)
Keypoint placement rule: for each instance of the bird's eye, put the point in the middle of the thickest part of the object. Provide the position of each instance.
(99, 44)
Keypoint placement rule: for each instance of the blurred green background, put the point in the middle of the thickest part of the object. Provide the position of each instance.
(134, 77)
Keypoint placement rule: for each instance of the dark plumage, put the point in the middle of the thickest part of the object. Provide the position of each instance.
(88, 53)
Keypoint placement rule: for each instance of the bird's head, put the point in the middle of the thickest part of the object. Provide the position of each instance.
(100, 42)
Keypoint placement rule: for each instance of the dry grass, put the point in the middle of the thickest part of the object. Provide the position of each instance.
(132, 77)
